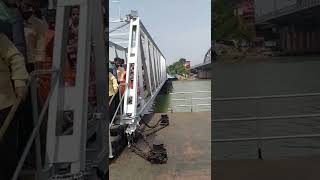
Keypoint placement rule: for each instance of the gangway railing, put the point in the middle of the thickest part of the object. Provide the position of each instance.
(188, 100)
(121, 98)
(258, 118)
(37, 120)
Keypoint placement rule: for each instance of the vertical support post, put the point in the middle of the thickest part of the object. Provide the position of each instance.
(141, 96)
(59, 55)
(191, 105)
(35, 115)
(120, 97)
(150, 49)
(148, 63)
(62, 148)
(110, 145)
(130, 106)
(155, 65)
(258, 126)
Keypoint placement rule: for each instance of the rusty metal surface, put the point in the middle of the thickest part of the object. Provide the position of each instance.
(188, 145)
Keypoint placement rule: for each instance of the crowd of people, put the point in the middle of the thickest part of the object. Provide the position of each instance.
(117, 79)
(26, 44)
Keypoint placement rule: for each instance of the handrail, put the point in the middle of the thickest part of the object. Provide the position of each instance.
(191, 92)
(191, 105)
(15, 106)
(118, 90)
(110, 101)
(258, 118)
(266, 118)
(41, 117)
(117, 109)
(113, 118)
(266, 97)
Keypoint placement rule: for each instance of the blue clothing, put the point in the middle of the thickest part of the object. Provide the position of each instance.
(114, 72)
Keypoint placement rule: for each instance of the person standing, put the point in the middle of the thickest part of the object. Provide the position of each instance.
(113, 89)
(13, 81)
(121, 76)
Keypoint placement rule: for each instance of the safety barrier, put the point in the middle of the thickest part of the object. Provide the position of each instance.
(257, 118)
(190, 99)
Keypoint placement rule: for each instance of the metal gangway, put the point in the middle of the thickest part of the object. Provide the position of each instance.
(145, 75)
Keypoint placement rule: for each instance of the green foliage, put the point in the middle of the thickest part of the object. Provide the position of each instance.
(177, 67)
(226, 25)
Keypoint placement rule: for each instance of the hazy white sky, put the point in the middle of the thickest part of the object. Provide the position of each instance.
(181, 28)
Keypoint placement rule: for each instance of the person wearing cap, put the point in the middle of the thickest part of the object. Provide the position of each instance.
(113, 68)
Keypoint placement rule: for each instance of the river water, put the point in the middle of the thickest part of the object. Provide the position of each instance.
(180, 100)
(288, 76)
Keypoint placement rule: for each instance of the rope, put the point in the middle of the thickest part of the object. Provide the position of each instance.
(153, 126)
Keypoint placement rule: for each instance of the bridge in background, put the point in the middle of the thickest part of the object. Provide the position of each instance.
(294, 25)
(203, 69)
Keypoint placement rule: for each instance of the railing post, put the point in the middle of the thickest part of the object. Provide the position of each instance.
(258, 129)
(110, 145)
(34, 85)
(119, 91)
(191, 102)
(171, 107)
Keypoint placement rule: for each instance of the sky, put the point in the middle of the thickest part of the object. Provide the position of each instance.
(181, 28)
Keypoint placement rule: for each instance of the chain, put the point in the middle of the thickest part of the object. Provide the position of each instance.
(132, 146)
(151, 127)
(164, 122)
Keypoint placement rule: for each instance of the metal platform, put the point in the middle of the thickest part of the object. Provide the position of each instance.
(189, 151)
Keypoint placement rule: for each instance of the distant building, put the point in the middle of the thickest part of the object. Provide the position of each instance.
(187, 65)
(245, 12)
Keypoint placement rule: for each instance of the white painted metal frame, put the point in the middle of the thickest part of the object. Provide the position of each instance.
(71, 149)
(116, 50)
(148, 68)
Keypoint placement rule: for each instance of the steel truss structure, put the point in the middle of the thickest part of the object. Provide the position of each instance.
(81, 150)
(146, 74)
(116, 50)
(207, 57)
(77, 145)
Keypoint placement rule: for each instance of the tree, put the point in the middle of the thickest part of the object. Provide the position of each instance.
(226, 25)
(178, 67)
